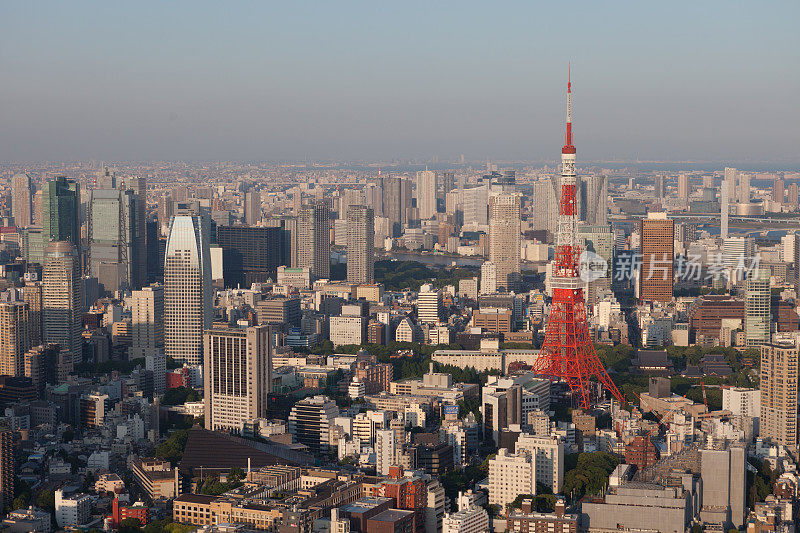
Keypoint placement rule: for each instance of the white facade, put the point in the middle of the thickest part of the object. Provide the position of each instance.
(73, 510)
(509, 476)
(347, 330)
(470, 520)
(426, 194)
(188, 309)
(147, 322)
(429, 306)
(488, 278)
(549, 458)
(385, 450)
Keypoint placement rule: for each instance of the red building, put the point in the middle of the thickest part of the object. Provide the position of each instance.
(178, 378)
(409, 493)
(121, 512)
(641, 452)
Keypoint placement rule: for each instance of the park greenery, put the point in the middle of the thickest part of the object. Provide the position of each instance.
(172, 449)
(400, 275)
(180, 395)
(212, 486)
(587, 473)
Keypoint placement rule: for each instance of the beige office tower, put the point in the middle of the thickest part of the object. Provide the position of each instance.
(14, 337)
(237, 372)
(187, 289)
(683, 187)
(147, 322)
(778, 420)
(426, 194)
(360, 245)
(62, 299)
(252, 208)
(314, 239)
(21, 200)
(32, 295)
(504, 239)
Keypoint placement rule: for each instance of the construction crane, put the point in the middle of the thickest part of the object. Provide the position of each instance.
(705, 399)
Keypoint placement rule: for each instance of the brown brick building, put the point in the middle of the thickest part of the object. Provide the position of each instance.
(657, 275)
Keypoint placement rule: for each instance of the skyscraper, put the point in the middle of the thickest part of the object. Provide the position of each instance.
(32, 295)
(683, 186)
(778, 420)
(778, 191)
(7, 467)
(62, 298)
(656, 276)
(504, 239)
(743, 193)
(112, 253)
(187, 289)
(237, 373)
(724, 211)
(250, 254)
(385, 450)
(757, 308)
(252, 208)
(396, 202)
(314, 239)
(138, 186)
(360, 245)
(21, 200)
(658, 188)
(147, 322)
(729, 181)
(14, 337)
(426, 194)
(61, 211)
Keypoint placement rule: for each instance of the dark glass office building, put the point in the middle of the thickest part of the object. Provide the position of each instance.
(249, 254)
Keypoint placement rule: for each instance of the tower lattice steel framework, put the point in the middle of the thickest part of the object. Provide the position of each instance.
(568, 353)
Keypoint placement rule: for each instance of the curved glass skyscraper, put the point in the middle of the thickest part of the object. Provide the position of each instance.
(187, 289)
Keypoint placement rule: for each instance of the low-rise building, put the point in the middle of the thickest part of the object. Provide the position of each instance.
(157, 478)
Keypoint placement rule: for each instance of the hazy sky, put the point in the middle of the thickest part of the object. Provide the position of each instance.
(699, 80)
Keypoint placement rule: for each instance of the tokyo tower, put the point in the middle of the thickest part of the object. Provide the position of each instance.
(567, 352)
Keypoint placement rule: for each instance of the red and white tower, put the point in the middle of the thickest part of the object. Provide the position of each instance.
(568, 352)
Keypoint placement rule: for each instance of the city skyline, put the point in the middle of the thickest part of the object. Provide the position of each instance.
(356, 82)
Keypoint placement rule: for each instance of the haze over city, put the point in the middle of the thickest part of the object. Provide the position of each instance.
(697, 81)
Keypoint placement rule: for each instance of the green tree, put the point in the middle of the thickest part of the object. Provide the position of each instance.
(130, 525)
(172, 449)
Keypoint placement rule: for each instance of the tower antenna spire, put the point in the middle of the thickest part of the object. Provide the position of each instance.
(568, 146)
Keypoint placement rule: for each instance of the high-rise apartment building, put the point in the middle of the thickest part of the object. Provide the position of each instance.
(7, 468)
(548, 454)
(386, 452)
(743, 191)
(61, 211)
(757, 308)
(21, 200)
(658, 186)
(187, 289)
(31, 294)
(147, 322)
(730, 179)
(725, 211)
(656, 275)
(14, 337)
(252, 208)
(509, 476)
(778, 191)
(314, 239)
(426, 194)
(778, 420)
(683, 187)
(62, 298)
(504, 239)
(237, 372)
(488, 277)
(360, 245)
(396, 202)
(41, 366)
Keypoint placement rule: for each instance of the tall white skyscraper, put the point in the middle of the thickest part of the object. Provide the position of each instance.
(426, 194)
(187, 289)
(360, 244)
(729, 181)
(237, 372)
(504, 239)
(62, 298)
(724, 211)
(488, 278)
(21, 204)
(757, 308)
